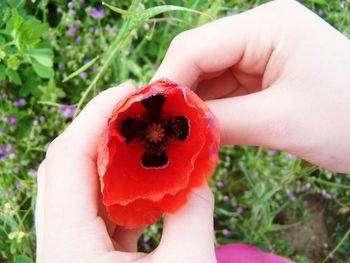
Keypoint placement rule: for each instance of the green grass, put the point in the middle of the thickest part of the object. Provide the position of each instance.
(260, 187)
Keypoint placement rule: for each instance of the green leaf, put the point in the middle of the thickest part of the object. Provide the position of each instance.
(320, 2)
(14, 23)
(13, 62)
(14, 77)
(30, 32)
(23, 259)
(42, 55)
(42, 70)
(31, 83)
(2, 72)
(116, 9)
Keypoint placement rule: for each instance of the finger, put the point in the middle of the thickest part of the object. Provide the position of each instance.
(217, 87)
(256, 119)
(192, 224)
(247, 40)
(127, 238)
(72, 185)
(39, 209)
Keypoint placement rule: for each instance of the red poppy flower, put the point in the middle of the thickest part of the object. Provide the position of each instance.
(161, 142)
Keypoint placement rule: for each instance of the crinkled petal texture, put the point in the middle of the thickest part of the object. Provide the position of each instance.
(135, 195)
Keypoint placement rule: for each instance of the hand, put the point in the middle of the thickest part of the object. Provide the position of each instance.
(70, 222)
(276, 76)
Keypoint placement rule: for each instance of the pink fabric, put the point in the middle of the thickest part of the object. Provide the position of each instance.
(243, 253)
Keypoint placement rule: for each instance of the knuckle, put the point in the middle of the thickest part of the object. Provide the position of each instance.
(58, 145)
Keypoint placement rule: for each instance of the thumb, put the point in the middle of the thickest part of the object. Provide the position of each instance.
(259, 119)
(188, 235)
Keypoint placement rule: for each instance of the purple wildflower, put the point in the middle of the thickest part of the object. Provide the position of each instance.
(220, 185)
(41, 118)
(78, 40)
(129, 50)
(324, 193)
(61, 66)
(145, 239)
(71, 32)
(307, 187)
(81, 1)
(272, 152)
(226, 198)
(35, 122)
(91, 29)
(73, 12)
(240, 210)
(97, 13)
(6, 193)
(234, 204)
(90, 41)
(56, 122)
(11, 119)
(111, 30)
(291, 196)
(2, 131)
(15, 170)
(290, 157)
(67, 111)
(95, 70)
(17, 185)
(76, 26)
(70, 4)
(330, 197)
(86, 61)
(83, 75)
(4, 96)
(4, 150)
(21, 102)
(97, 31)
(226, 232)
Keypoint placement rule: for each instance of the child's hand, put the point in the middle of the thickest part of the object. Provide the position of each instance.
(70, 221)
(295, 68)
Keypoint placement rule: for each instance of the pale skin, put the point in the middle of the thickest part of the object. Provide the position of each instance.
(276, 76)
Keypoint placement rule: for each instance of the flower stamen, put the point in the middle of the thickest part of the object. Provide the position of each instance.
(155, 132)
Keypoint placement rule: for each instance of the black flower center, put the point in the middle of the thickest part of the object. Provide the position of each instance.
(156, 130)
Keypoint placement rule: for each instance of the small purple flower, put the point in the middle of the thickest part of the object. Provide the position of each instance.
(11, 119)
(15, 170)
(330, 197)
(2, 131)
(4, 96)
(71, 32)
(67, 111)
(76, 26)
(56, 122)
(220, 185)
(90, 41)
(91, 29)
(234, 204)
(343, 3)
(129, 50)
(17, 185)
(86, 61)
(95, 70)
(307, 187)
(60, 65)
(150, 22)
(145, 239)
(73, 12)
(78, 40)
(97, 13)
(97, 31)
(81, 1)
(240, 210)
(21, 102)
(70, 4)
(83, 75)
(111, 30)
(32, 172)
(41, 118)
(320, 11)
(324, 193)
(226, 198)
(226, 232)
(6, 193)
(290, 157)
(272, 152)
(35, 122)
(289, 193)
(4, 150)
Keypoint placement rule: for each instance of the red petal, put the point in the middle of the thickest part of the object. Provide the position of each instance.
(135, 195)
